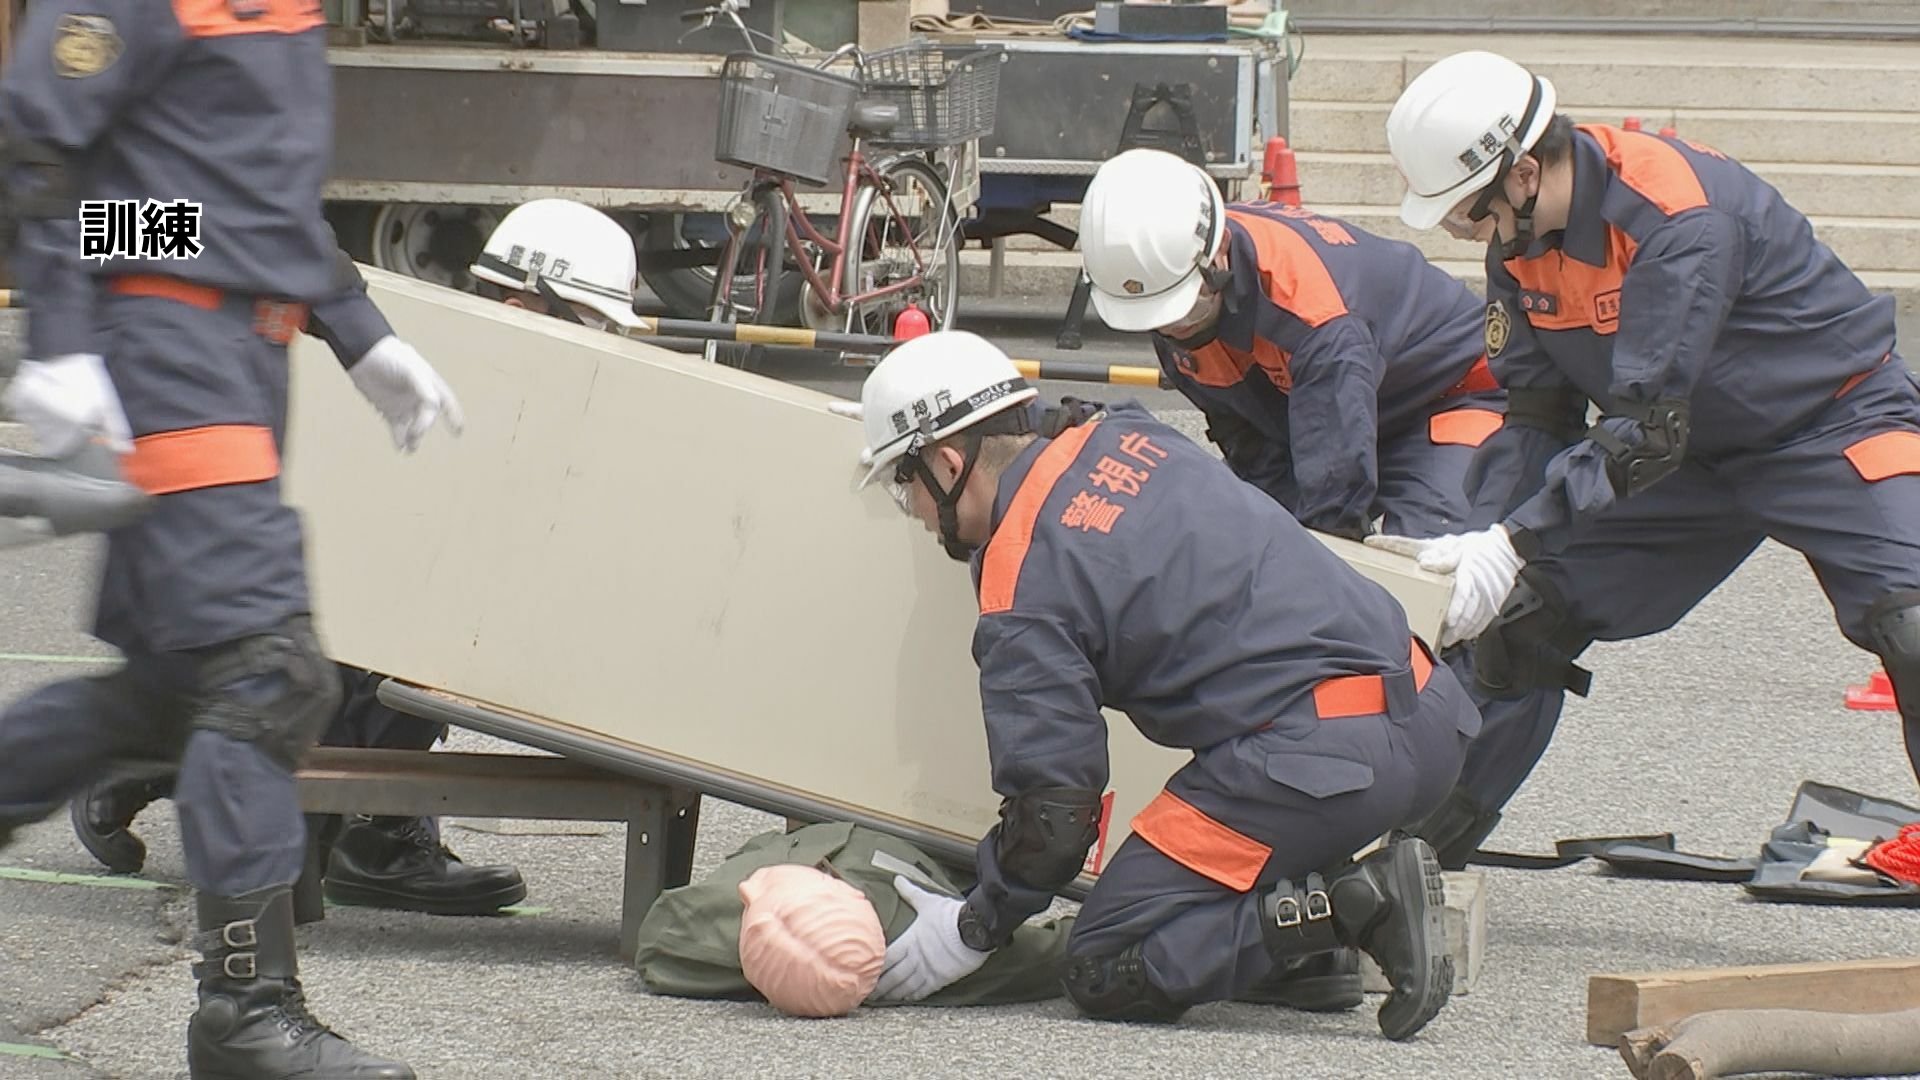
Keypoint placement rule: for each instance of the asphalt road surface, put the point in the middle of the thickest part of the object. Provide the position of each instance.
(1705, 731)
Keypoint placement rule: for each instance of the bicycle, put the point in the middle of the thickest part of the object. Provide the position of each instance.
(926, 103)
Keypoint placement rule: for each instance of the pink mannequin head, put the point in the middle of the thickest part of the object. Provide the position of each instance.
(810, 943)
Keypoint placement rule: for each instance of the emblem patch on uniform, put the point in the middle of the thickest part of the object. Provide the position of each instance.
(85, 45)
(1499, 328)
(1606, 308)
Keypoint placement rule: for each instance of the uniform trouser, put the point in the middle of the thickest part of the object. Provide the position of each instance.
(220, 558)
(1422, 493)
(363, 721)
(1256, 809)
(1848, 501)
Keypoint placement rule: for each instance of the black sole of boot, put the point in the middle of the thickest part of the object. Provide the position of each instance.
(1416, 872)
(1323, 993)
(485, 904)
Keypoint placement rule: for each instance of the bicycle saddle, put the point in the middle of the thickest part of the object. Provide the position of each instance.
(873, 119)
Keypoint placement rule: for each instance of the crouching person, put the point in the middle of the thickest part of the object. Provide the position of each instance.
(1119, 564)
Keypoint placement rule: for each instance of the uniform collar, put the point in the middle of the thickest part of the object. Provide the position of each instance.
(1585, 237)
(1010, 480)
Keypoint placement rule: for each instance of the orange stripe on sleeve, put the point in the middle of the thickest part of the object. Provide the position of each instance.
(202, 457)
(1651, 167)
(1181, 832)
(1000, 569)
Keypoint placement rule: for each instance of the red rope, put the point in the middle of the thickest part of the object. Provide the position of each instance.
(1898, 857)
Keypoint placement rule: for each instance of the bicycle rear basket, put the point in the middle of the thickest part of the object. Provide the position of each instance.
(947, 94)
(781, 116)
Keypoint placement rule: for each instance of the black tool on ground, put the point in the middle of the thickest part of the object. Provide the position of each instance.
(1182, 139)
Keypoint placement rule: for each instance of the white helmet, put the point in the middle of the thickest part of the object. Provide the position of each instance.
(1150, 223)
(579, 253)
(931, 387)
(1459, 126)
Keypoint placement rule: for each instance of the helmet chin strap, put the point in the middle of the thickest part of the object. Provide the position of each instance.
(1523, 214)
(948, 501)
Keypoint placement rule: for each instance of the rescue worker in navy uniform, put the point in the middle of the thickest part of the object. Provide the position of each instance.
(552, 256)
(1118, 564)
(228, 106)
(1747, 383)
(1338, 371)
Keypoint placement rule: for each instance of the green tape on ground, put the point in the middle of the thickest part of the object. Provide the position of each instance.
(55, 658)
(25, 1050)
(100, 881)
(523, 910)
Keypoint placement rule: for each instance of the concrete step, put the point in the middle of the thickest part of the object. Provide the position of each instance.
(1832, 195)
(1864, 243)
(1890, 11)
(1594, 71)
(1052, 274)
(1888, 191)
(1861, 138)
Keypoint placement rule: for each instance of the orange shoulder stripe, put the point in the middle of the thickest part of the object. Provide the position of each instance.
(1291, 271)
(1650, 167)
(1000, 570)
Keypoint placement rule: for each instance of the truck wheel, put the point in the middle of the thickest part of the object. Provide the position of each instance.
(431, 242)
(688, 291)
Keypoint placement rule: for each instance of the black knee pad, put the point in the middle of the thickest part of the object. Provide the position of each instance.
(1893, 626)
(277, 690)
(1532, 644)
(1117, 988)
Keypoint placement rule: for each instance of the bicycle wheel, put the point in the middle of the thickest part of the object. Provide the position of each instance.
(758, 253)
(903, 225)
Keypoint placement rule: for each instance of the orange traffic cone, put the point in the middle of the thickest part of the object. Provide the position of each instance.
(1280, 174)
(1876, 696)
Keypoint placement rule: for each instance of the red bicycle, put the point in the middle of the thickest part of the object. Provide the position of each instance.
(897, 239)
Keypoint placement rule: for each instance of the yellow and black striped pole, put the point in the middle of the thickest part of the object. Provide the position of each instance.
(862, 344)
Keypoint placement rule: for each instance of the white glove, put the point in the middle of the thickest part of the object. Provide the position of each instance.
(930, 954)
(845, 408)
(1484, 567)
(407, 391)
(67, 400)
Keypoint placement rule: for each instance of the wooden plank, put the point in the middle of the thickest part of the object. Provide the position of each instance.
(1466, 923)
(1619, 1003)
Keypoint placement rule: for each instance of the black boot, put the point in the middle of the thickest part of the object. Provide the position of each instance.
(253, 1023)
(399, 863)
(103, 812)
(1391, 905)
(1323, 982)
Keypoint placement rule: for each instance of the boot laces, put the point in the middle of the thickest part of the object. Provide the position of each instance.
(416, 833)
(296, 1018)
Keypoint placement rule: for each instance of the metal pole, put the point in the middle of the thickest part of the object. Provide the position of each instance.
(862, 344)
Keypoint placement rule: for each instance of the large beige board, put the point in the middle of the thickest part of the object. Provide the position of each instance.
(669, 556)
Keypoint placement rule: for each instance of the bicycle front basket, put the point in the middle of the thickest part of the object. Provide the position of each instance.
(947, 94)
(781, 116)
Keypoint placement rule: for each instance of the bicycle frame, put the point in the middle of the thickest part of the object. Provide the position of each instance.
(800, 225)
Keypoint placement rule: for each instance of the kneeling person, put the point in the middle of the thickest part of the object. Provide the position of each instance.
(1118, 563)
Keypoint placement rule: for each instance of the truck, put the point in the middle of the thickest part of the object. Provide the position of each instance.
(452, 112)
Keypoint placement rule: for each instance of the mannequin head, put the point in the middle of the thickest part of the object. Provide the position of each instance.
(810, 943)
